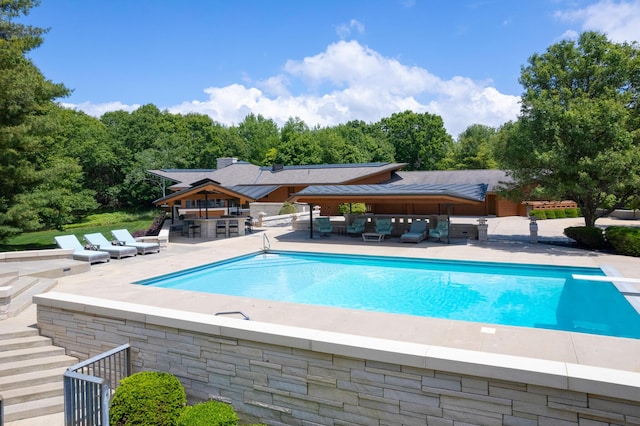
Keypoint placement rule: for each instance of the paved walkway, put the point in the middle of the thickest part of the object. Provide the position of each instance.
(508, 242)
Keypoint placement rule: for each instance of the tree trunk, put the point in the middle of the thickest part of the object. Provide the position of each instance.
(589, 216)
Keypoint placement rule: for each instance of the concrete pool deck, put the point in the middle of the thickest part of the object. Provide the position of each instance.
(507, 243)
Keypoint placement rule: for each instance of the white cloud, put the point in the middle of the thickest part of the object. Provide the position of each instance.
(349, 81)
(97, 110)
(344, 30)
(620, 20)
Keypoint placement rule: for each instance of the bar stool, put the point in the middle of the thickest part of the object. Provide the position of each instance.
(193, 229)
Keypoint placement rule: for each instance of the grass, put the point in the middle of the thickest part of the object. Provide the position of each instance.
(100, 222)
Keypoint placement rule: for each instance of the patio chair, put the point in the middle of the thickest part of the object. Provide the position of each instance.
(323, 225)
(417, 232)
(98, 241)
(440, 231)
(384, 227)
(79, 252)
(124, 238)
(357, 226)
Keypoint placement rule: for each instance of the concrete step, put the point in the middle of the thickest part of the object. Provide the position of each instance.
(27, 410)
(29, 354)
(16, 334)
(24, 343)
(33, 286)
(7, 278)
(22, 284)
(32, 378)
(29, 365)
(33, 393)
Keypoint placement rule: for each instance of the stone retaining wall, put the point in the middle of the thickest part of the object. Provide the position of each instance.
(283, 375)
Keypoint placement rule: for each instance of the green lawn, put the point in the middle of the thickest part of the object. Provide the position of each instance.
(102, 222)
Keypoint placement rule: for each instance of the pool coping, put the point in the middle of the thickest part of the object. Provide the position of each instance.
(554, 374)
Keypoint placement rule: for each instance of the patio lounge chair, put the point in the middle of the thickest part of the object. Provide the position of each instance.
(124, 238)
(323, 225)
(440, 231)
(417, 232)
(384, 226)
(79, 252)
(357, 227)
(98, 241)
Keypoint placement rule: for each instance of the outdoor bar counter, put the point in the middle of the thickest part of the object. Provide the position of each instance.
(219, 227)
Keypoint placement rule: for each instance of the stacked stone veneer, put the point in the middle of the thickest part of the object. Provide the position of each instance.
(291, 376)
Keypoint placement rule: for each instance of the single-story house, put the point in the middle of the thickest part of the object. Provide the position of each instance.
(382, 187)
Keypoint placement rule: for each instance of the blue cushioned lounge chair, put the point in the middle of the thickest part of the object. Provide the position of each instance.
(124, 238)
(98, 241)
(417, 232)
(79, 252)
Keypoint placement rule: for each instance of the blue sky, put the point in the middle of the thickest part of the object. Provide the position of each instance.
(324, 61)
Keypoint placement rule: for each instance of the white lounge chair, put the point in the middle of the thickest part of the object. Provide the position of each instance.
(124, 238)
(98, 241)
(79, 252)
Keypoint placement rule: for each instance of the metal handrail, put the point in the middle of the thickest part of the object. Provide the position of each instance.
(88, 386)
(233, 313)
(266, 244)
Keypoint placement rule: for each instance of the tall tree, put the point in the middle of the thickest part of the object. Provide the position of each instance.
(366, 142)
(420, 140)
(578, 136)
(85, 139)
(25, 95)
(474, 149)
(298, 145)
(260, 135)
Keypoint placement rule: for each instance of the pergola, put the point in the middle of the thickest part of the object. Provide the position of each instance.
(446, 194)
(207, 188)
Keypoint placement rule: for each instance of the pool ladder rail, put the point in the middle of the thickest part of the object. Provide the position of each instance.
(266, 244)
(233, 313)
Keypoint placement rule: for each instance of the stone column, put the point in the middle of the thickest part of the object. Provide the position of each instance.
(533, 230)
(482, 229)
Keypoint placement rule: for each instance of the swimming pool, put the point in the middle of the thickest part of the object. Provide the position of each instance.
(538, 296)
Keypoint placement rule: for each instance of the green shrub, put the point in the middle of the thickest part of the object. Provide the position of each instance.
(538, 214)
(588, 236)
(560, 214)
(353, 208)
(551, 214)
(210, 413)
(571, 212)
(147, 398)
(625, 240)
(287, 208)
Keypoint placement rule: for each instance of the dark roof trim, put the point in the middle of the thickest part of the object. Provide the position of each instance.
(466, 192)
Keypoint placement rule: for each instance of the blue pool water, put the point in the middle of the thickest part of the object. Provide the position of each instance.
(498, 293)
